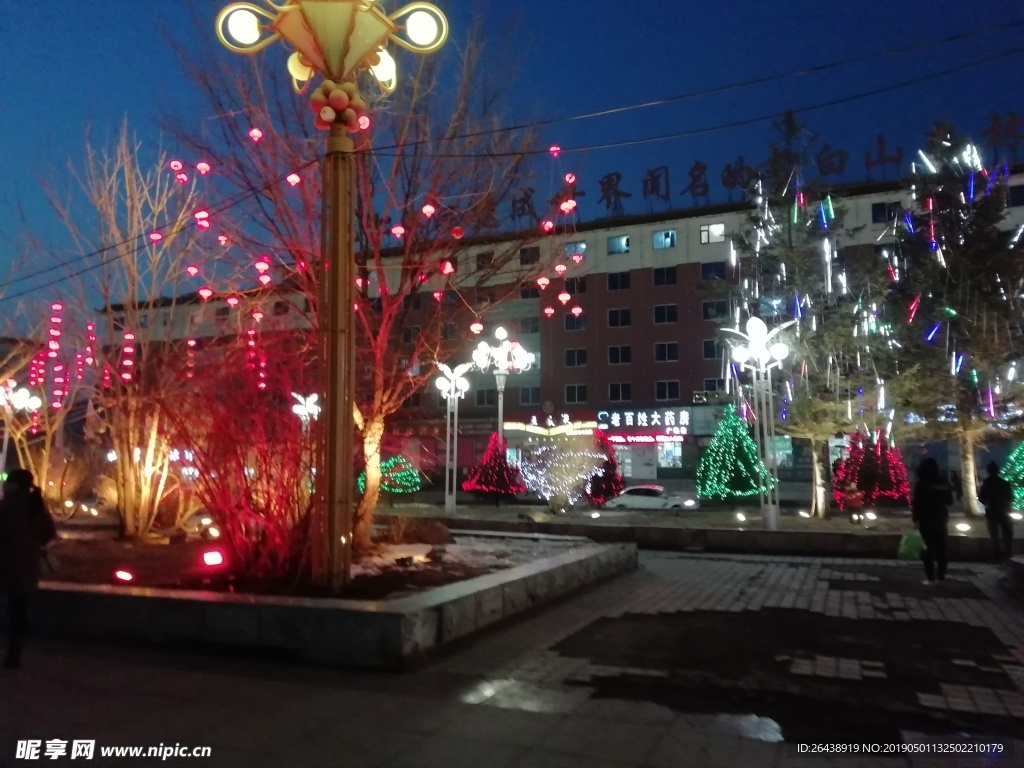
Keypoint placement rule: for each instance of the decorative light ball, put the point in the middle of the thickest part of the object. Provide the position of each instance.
(202, 223)
(428, 210)
(223, 239)
(338, 100)
(181, 178)
(570, 178)
(293, 179)
(458, 232)
(757, 331)
(203, 168)
(547, 225)
(257, 315)
(779, 350)
(176, 165)
(577, 310)
(262, 265)
(560, 269)
(422, 28)
(363, 122)
(500, 333)
(156, 237)
(205, 293)
(265, 279)
(763, 355)
(398, 230)
(447, 268)
(740, 354)
(243, 26)
(549, 311)
(327, 114)
(577, 257)
(555, 150)
(231, 301)
(256, 134)
(192, 270)
(476, 326)
(564, 297)
(438, 295)
(543, 282)
(568, 206)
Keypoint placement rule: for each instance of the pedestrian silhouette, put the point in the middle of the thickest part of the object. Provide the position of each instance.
(25, 529)
(997, 496)
(929, 507)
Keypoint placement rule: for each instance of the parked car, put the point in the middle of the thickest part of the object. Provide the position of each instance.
(651, 497)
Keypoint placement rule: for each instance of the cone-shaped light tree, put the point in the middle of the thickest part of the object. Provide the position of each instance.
(493, 477)
(1013, 471)
(873, 469)
(730, 467)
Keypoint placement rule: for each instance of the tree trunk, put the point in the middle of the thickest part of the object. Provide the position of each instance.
(819, 490)
(969, 476)
(373, 434)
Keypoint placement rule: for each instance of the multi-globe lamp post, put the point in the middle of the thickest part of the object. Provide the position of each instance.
(761, 353)
(507, 357)
(453, 385)
(14, 399)
(337, 39)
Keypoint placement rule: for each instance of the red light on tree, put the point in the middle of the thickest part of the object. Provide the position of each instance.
(122, 575)
(398, 230)
(256, 134)
(577, 310)
(560, 269)
(262, 265)
(364, 122)
(555, 150)
(205, 293)
(156, 237)
(549, 311)
(428, 210)
(476, 326)
(192, 270)
(293, 179)
(265, 279)
(231, 301)
(547, 225)
(458, 232)
(577, 257)
(176, 165)
(570, 178)
(203, 168)
(223, 239)
(213, 558)
(447, 268)
(181, 178)
(568, 206)
(564, 297)
(257, 315)
(543, 282)
(438, 295)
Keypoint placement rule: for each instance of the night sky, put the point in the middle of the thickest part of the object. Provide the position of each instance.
(69, 65)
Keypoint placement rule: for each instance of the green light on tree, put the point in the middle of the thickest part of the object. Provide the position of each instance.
(397, 475)
(730, 467)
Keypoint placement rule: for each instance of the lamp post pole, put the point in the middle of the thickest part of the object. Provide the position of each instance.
(500, 377)
(453, 386)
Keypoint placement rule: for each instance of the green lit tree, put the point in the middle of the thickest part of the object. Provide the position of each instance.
(398, 475)
(1013, 472)
(730, 467)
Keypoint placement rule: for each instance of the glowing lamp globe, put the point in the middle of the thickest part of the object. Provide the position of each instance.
(476, 327)
(564, 297)
(256, 134)
(577, 310)
(549, 311)
(428, 210)
(205, 293)
(175, 165)
(242, 27)
(757, 331)
(156, 237)
(543, 282)
(560, 269)
(192, 270)
(398, 230)
(740, 354)
(293, 178)
(422, 28)
(779, 351)
(203, 168)
(500, 333)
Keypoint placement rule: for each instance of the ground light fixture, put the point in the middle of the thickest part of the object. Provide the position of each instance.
(123, 575)
(212, 558)
(1017, 516)
(963, 527)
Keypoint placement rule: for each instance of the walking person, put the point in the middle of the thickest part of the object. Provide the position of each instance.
(958, 485)
(997, 495)
(930, 510)
(25, 529)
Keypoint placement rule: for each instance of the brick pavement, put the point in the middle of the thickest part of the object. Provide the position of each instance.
(517, 697)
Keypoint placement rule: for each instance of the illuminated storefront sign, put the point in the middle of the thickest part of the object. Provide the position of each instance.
(641, 439)
(674, 421)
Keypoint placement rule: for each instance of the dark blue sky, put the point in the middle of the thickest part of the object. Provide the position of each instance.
(68, 65)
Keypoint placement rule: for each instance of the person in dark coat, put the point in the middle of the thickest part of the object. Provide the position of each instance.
(958, 485)
(997, 496)
(930, 509)
(26, 527)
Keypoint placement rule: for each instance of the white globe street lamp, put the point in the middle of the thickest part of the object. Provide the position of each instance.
(507, 357)
(453, 385)
(14, 399)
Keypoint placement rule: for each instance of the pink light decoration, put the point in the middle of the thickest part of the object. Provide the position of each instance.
(568, 206)
(262, 265)
(364, 122)
(203, 224)
(127, 350)
(476, 326)
(549, 311)
(447, 268)
(181, 178)
(176, 165)
(223, 239)
(424, 277)
(570, 178)
(560, 268)
(203, 168)
(202, 214)
(555, 150)
(359, 283)
(564, 297)
(256, 134)
(458, 233)
(192, 270)
(123, 575)
(257, 315)
(156, 237)
(129, 336)
(577, 310)
(543, 282)
(191, 342)
(547, 225)
(205, 293)
(438, 295)
(398, 230)
(231, 301)
(428, 210)
(577, 257)
(264, 279)
(913, 309)
(293, 179)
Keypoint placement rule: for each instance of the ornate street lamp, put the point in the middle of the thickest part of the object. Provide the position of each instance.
(760, 354)
(507, 357)
(12, 399)
(453, 386)
(337, 39)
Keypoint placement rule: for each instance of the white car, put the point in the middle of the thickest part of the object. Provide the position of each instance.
(651, 497)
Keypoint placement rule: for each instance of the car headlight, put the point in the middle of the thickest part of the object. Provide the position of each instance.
(689, 503)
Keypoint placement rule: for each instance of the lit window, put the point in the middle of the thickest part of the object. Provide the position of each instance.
(618, 244)
(665, 238)
(712, 233)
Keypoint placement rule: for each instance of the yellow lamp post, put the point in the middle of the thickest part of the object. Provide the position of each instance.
(337, 39)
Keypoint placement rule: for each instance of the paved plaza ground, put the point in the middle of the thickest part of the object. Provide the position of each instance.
(690, 661)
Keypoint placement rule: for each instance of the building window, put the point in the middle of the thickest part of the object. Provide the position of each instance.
(712, 270)
(485, 260)
(529, 325)
(665, 238)
(618, 281)
(665, 276)
(573, 323)
(619, 318)
(576, 393)
(223, 312)
(716, 310)
(712, 349)
(620, 393)
(529, 292)
(410, 334)
(884, 213)
(412, 401)
(576, 285)
(666, 313)
(712, 233)
(281, 308)
(666, 390)
(530, 255)
(714, 385)
(666, 352)
(448, 332)
(574, 358)
(143, 321)
(621, 355)
(529, 395)
(487, 397)
(618, 244)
